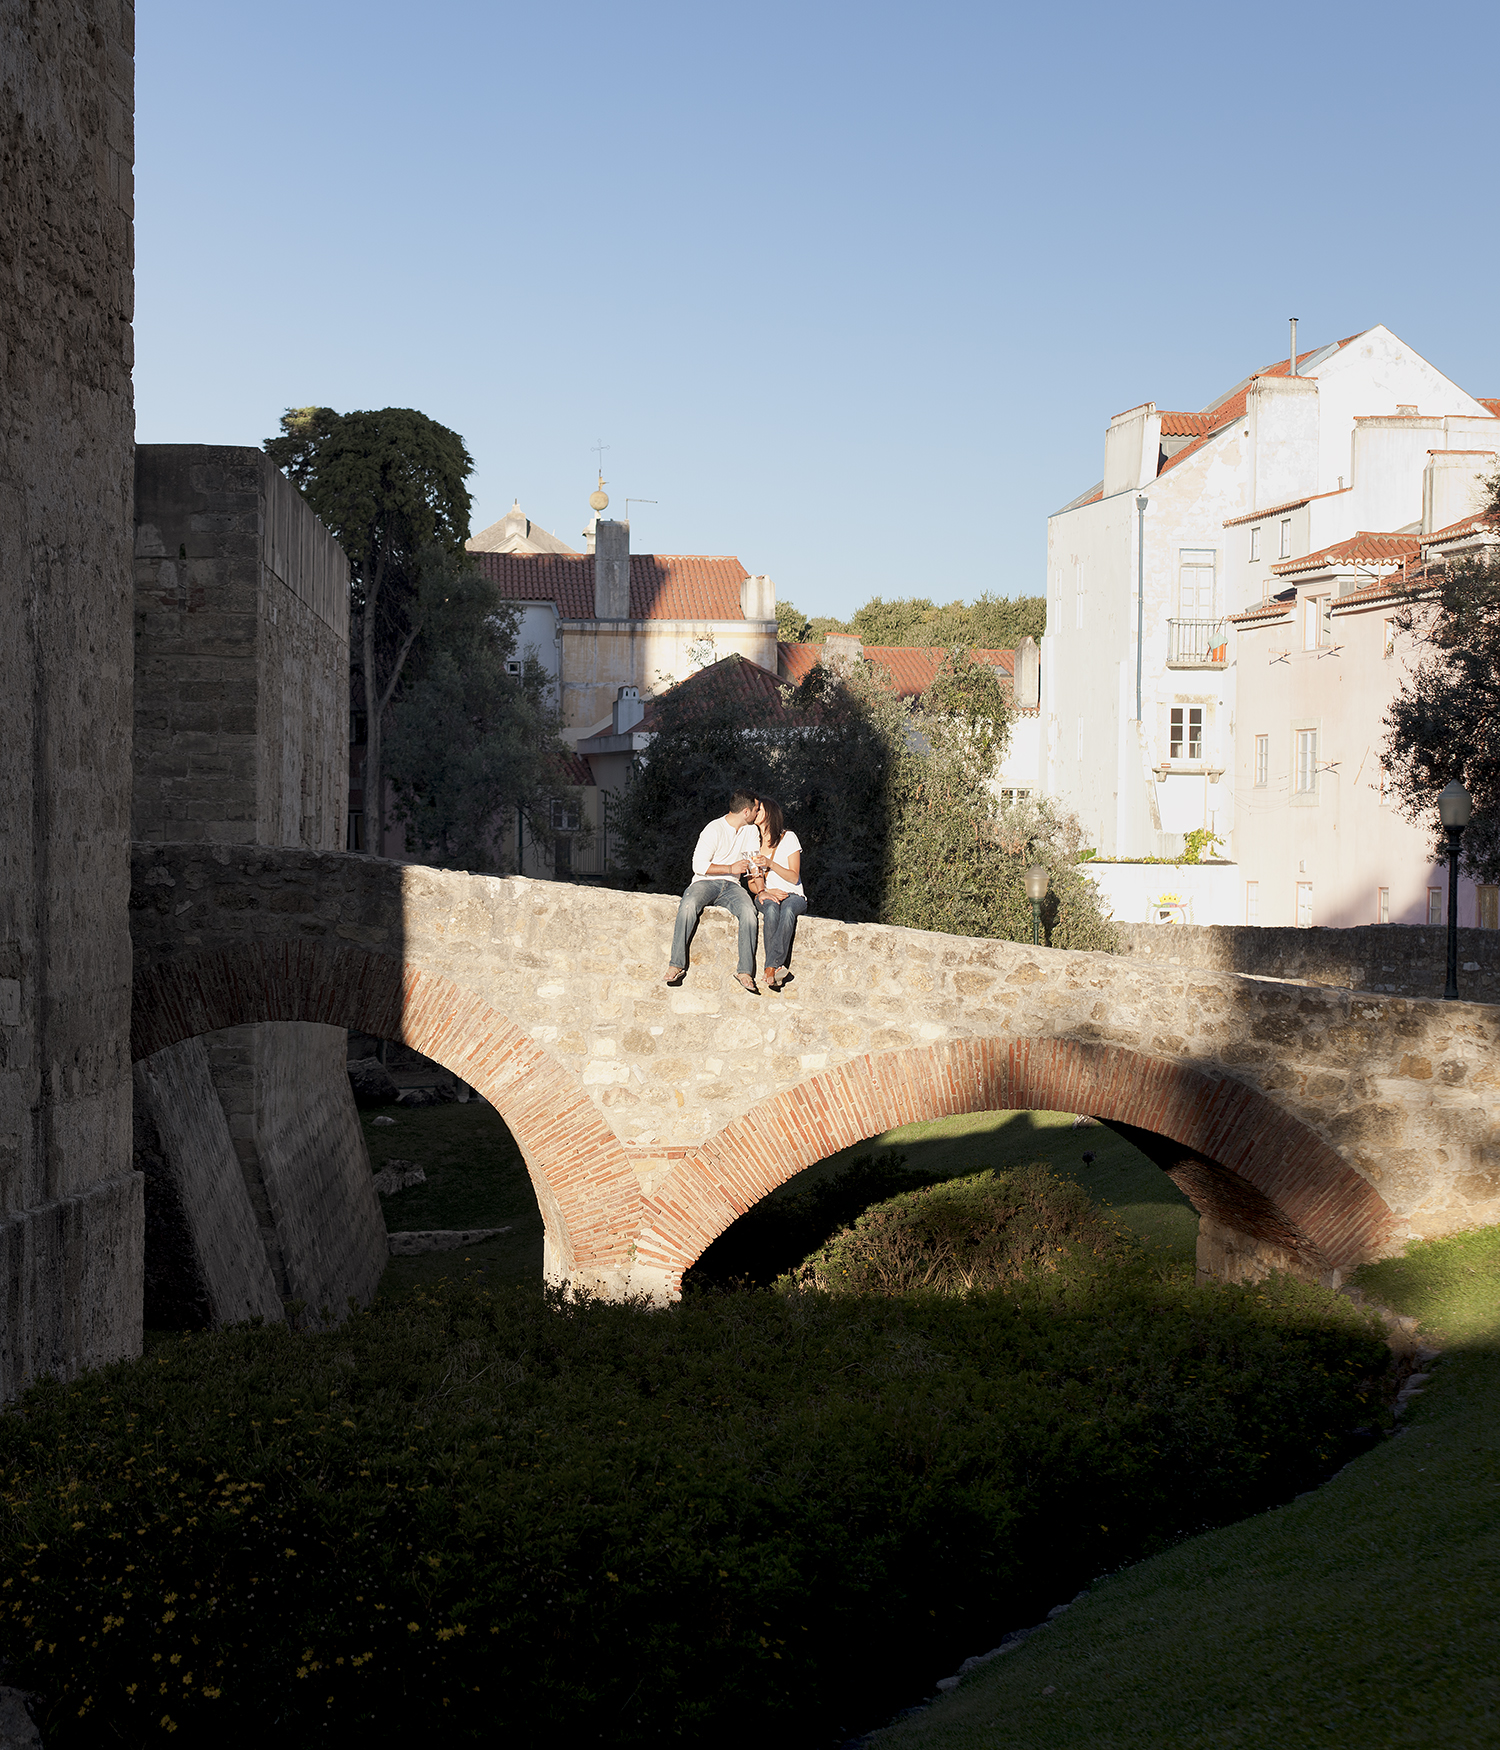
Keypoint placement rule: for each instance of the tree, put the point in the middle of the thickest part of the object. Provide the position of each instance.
(389, 486)
(792, 624)
(468, 742)
(1444, 723)
(990, 623)
(895, 812)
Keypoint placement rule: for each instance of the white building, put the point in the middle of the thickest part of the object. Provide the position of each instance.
(1285, 462)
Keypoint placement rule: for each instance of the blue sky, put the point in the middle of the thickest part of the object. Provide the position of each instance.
(852, 291)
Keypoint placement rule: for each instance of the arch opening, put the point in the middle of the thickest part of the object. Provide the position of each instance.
(587, 1192)
(1233, 1152)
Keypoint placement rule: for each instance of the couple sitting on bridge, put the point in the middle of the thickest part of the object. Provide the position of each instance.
(745, 860)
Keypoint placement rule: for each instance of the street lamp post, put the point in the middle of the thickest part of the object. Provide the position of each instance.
(1455, 805)
(1036, 892)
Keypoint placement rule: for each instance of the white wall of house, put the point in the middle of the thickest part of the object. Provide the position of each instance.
(540, 635)
(1297, 437)
(1320, 840)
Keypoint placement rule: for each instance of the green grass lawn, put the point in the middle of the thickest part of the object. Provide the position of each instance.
(1119, 1176)
(475, 1178)
(1367, 1613)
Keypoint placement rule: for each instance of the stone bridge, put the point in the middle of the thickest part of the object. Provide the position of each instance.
(1311, 1127)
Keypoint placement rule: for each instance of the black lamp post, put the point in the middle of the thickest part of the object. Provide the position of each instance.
(1036, 892)
(1455, 805)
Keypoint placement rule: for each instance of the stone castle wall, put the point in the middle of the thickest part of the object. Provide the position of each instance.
(1408, 960)
(241, 737)
(71, 1228)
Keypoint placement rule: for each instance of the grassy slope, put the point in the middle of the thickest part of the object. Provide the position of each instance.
(1366, 1613)
(476, 1178)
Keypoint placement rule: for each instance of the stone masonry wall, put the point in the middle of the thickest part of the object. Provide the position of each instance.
(242, 719)
(650, 1118)
(70, 1232)
(1403, 959)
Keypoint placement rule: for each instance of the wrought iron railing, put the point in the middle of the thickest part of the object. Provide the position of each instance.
(1197, 644)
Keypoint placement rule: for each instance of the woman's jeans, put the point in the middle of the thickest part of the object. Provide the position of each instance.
(722, 890)
(779, 924)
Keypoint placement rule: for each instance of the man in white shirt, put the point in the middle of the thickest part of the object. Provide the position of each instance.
(723, 853)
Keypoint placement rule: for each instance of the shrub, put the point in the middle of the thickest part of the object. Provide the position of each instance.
(991, 1230)
(755, 1516)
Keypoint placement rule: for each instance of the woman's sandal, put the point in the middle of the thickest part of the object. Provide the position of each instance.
(675, 976)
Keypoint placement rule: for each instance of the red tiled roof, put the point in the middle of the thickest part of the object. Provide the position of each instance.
(1375, 548)
(663, 586)
(910, 666)
(1187, 424)
(734, 679)
(1489, 401)
(573, 768)
(1254, 516)
(1468, 525)
(1262, 611)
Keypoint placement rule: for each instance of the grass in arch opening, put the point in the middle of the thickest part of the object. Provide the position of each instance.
(801, 1215)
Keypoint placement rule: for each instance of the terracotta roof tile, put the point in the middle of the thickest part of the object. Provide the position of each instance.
(1278, 604)
(733, 679)
(1375, 548)
(1187, 424)
(573, 768)
(1489, 401)
(663, 586)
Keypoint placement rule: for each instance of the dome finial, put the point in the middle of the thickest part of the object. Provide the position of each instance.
(599, 500)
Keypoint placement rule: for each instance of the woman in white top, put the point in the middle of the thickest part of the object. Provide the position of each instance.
(783, 901)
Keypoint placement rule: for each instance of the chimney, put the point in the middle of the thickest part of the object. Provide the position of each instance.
(628, 710)
(841, 647)
(611, 571)
(1026, 676)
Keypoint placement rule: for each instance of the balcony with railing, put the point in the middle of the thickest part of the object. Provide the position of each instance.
(1197, 644)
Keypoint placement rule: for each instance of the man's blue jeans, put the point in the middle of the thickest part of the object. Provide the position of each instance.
(779, 924)
(722, 890)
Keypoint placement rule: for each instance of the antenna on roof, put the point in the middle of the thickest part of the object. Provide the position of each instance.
(631, 501)
(1294, 346)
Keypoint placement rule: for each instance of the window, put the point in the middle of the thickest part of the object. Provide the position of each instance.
(1010, 797)
(1382, 905)
(1307, 763)
(355, 840)
(1262, 761)
(1078, 593)
(1254, 545)
(359, 729)
(1187, 733)
(565, 817)
(1388, 637)
(1304, 905)
(1252, 902)
(1317, 622)
(512, 667)
(1434, 905)
(1488, 908)
(1286, 537)
(1385, 788)
(1195, 584)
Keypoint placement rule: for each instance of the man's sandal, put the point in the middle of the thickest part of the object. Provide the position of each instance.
(746, 982)
(675, 975)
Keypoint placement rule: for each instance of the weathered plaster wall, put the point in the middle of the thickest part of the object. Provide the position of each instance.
(650, 1118)
(242, 725)
(70, 1232)
(600, 656)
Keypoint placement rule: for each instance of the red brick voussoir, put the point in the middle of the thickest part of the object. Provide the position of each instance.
(589, 1195)
(1336, 1216)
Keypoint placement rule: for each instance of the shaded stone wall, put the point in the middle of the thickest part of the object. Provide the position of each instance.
(241, 723)
(70, 1233)
(651, 1118)
(1401, 959)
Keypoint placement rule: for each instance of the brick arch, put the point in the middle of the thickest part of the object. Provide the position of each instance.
(1237, 1155)
(588, 1193)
